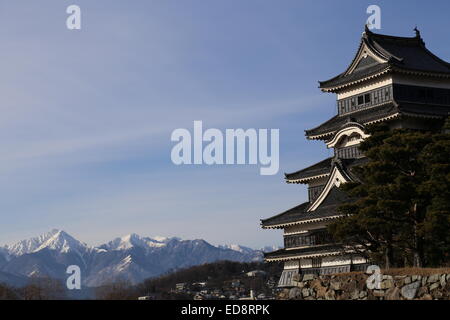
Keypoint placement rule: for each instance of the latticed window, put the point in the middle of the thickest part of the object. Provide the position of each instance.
(317, 262)
(368, 99)
(351, 152)
(308, 239)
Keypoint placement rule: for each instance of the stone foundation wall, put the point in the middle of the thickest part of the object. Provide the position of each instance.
(354, 287)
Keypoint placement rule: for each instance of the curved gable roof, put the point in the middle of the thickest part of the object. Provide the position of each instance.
(379, 53)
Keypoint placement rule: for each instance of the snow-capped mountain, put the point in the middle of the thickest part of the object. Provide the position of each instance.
(238, 248)
(57, 240)
(134, 240)
(132, 257)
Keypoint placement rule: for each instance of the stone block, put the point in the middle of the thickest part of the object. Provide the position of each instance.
(424, 280)
(443, 281)
(349, 286)
(284, 294)
(316, 283)
(343, 296)
(437, 294)
(378, 293)
(335, 285)
(422, 291)
(386, 284)
(295, 293)
(410, 290)
(435, 286)
(320, 292)
(433, 278)
(305, 292)
(330, 295)
(354, 295)
(308, 277)
(393, 294)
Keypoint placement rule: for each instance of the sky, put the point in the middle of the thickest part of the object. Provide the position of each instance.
(87, 115)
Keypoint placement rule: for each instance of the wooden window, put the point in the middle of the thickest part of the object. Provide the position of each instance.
(317, 262)
(387, 93)
(360, 100)
(372, 98)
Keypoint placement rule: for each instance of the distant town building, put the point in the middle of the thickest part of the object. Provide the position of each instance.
(256, 273)
(199, 297)
(394, 80)
(199, 284)
(180, 287)
(235, 283)
(250, 297)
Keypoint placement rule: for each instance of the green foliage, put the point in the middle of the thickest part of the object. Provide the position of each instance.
(400, 212)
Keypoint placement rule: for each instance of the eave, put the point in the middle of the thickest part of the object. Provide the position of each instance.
(312, 252)
(307, 180)
(300, 222)
(313, 172)
(344, 85)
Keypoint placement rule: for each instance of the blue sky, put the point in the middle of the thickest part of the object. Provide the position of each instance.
(86, 116)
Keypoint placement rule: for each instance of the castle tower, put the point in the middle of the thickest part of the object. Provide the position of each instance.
(395, 80)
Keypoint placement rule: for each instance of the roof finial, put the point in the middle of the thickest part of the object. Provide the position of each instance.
(417, 32)
(367, 30)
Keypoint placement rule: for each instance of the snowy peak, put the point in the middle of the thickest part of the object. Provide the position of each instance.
(54, 240)
(236, 247)
(134, 240)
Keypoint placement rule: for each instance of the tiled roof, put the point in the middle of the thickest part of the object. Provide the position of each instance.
(327, 209)
(283, 253)
(358, 74)
(400, 53)
(362, 116)
(370, 114)
(320, 168)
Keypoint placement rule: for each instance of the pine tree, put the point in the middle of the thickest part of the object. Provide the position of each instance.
(400, 208)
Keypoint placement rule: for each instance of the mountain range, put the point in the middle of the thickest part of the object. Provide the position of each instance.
(132, 257)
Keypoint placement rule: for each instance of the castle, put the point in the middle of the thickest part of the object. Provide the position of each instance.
(395, 80)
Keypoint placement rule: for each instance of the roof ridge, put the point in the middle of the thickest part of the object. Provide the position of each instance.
(369, 33)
